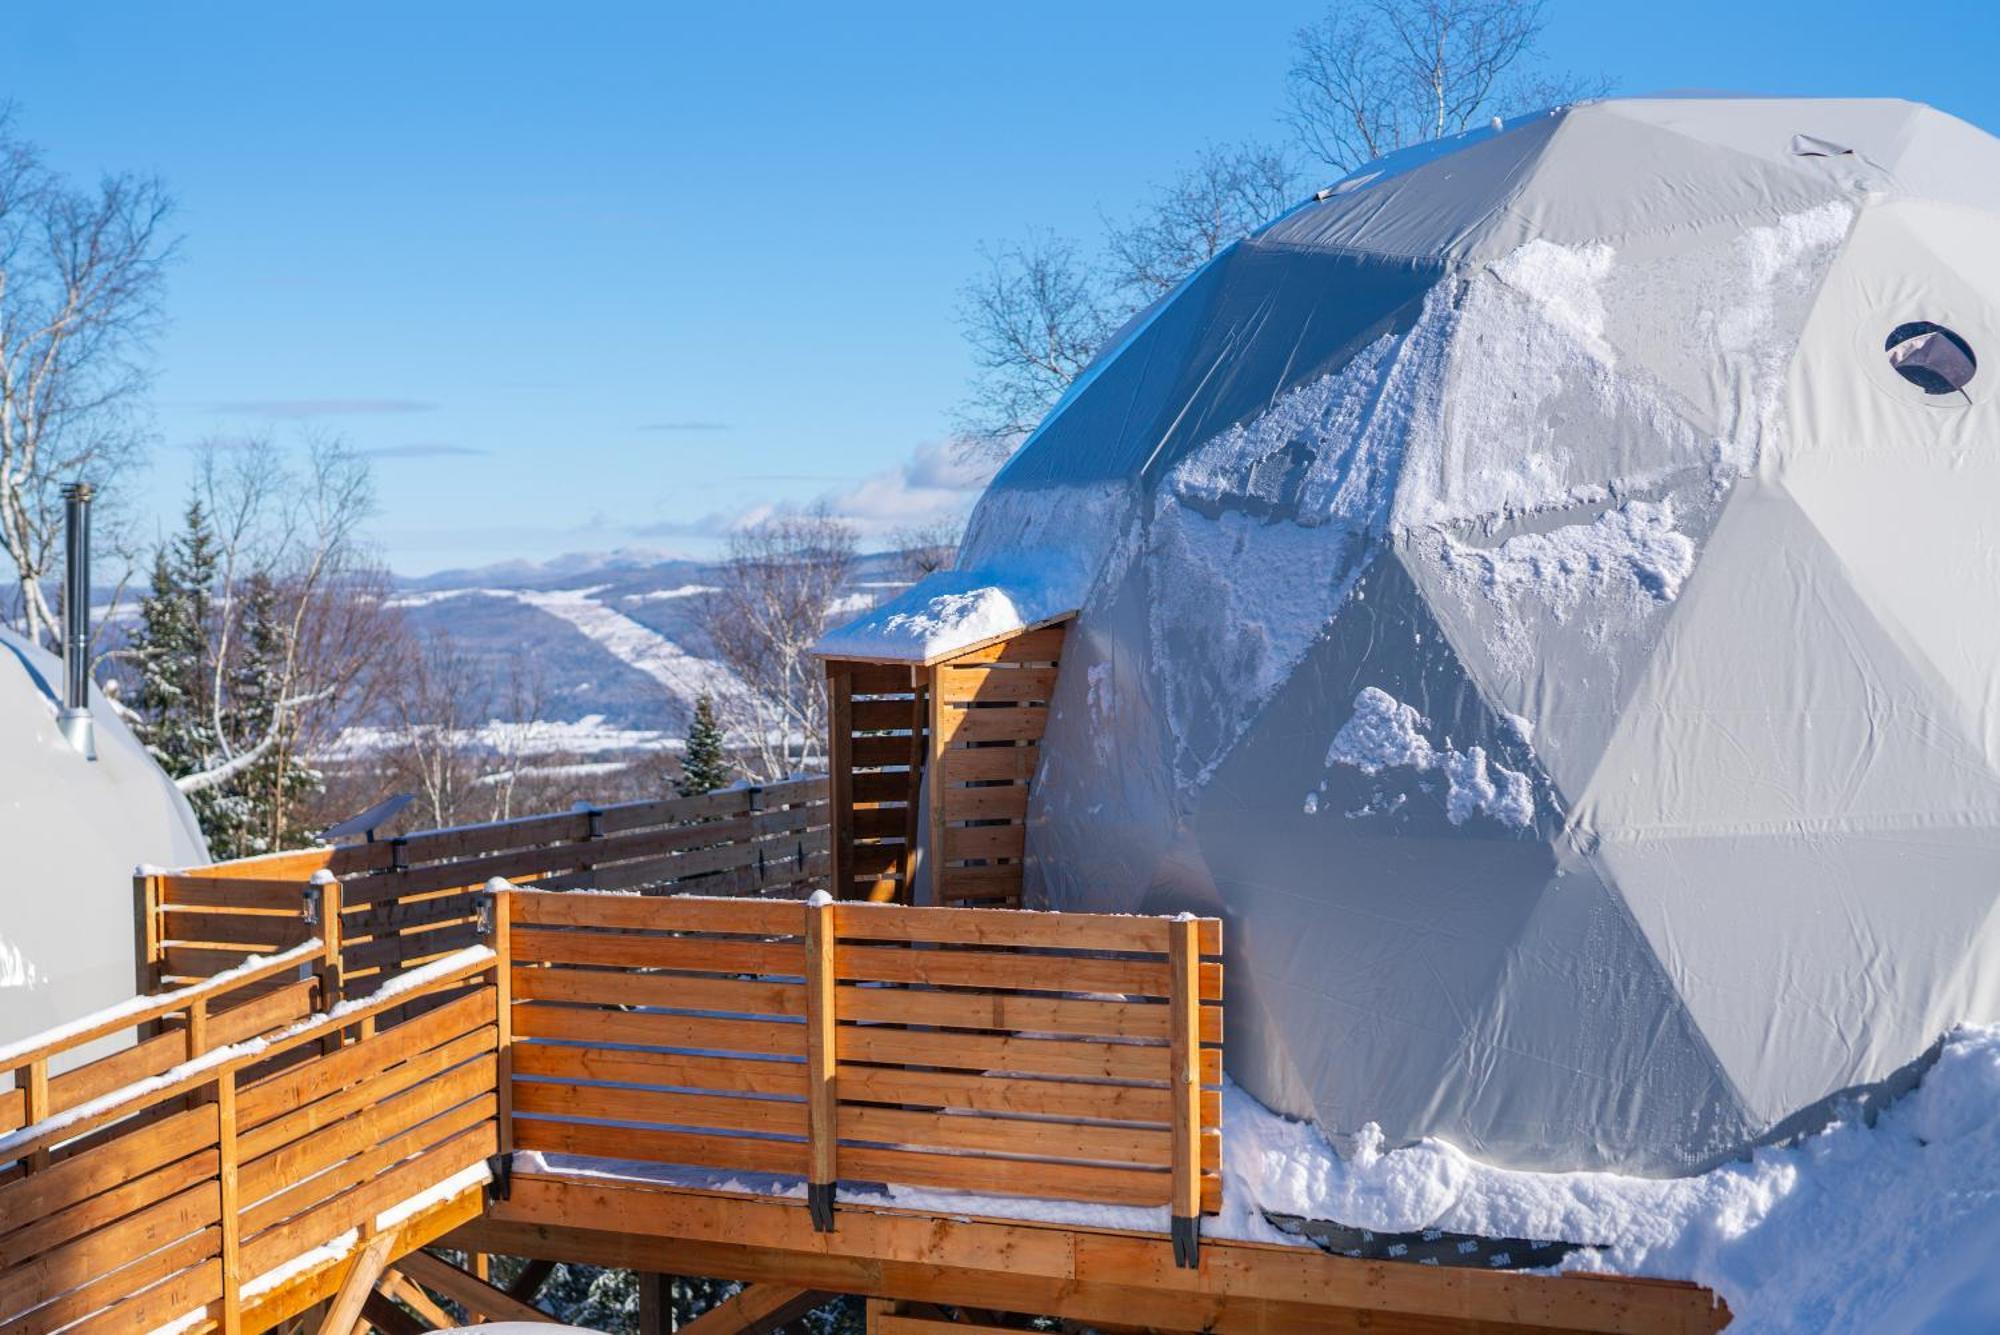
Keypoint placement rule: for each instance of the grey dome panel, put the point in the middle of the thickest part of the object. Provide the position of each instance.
(71, 833)
(1518, 593)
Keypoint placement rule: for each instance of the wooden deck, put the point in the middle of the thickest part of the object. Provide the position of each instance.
(284, 1139)
(1122, 1281)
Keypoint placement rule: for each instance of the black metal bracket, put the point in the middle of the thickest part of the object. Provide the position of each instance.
(819, 1200)
(399, 854)
(502, 1185)
(1187, 1242)
(593, 824)
(309, 905)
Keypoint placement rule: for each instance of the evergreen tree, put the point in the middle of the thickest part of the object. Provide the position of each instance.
(704, 766)
(176, 691)
(273, 787)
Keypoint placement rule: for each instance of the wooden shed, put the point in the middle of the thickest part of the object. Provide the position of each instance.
(932, 760)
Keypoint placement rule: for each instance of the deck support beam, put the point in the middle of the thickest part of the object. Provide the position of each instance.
(1086, 1275)
(468, 1290)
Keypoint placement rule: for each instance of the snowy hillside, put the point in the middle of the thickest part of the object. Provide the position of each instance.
(616, 640)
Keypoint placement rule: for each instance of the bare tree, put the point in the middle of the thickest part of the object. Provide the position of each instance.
(1034, 319)
(775, 589)
(927, 548)
(299, 529)
(1374, 76)
(80, 279)
(1229, 191)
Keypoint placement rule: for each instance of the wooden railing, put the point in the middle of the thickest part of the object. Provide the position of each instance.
(1068, 1056)
(392, 905)
(201, 1194)
(217, 1173)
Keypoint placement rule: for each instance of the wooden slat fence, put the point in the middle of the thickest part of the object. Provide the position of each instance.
(878, 733)
(394, 904)
(988, 710)
(1068, 1056)
(277, 1140)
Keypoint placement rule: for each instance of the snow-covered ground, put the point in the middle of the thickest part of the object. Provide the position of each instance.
(1890, 1227)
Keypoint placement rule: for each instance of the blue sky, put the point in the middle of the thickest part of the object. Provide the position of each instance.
(609, 275)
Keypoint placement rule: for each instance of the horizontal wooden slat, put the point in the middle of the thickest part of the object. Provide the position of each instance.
(1007, 1135)
(355, 1152)
(32, 1234)
(877, 678)
(65, 1185)
(413, 911)
(28, 1283)
(885, 716)
(1003, 1094)
(1006, 801)
(1066, 931)
(228, 892)
(702, 954)
(1025, 723)
(1043, 645)
(659, 913)
(741, 1153)
(991, 763)
(683, 1070)
(1016, 971)
(157, 1305)
(608, 1103)
(980, 887)
(372, 1122)
(413, 1176)
(292, 1090)
(103, 1286)
(680, 991)
(882, 786)
(294, 1123)
(411, 948)
(878, 752)
(880, 822)
(1023, 1056)
(589, 1025)
(1007, 1177)
(1001, 682)
(1009, 1010)
(986, 842)
(200, 961)
(236, 929)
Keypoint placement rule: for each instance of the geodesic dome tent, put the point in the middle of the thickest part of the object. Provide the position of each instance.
(71, 832)
(1545, 594)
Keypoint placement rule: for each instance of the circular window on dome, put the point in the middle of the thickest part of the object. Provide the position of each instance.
(1931, 357)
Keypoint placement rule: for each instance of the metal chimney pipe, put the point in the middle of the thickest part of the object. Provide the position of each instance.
(75, 719)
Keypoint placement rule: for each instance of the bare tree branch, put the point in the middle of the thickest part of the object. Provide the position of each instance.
(80, 278)
(1374, 76)
(1230, 191)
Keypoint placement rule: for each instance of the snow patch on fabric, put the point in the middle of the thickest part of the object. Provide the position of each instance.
(16, 969)
(1385, 734)
(1633, 552)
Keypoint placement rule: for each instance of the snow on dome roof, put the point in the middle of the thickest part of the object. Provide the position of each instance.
(1579, 459)
(71, 831)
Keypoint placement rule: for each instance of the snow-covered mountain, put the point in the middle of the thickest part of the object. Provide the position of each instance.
(614, 639)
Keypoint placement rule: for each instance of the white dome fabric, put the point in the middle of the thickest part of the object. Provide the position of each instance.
(1524, 599)
(71, 832)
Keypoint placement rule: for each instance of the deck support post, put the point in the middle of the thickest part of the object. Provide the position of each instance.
(33, 1082)
(497, 917)
(230, 1317)
(840, 777)
(1184, 998)
(822, 1063)
(320, 906)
